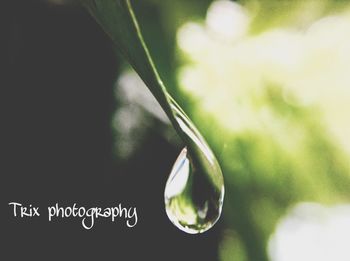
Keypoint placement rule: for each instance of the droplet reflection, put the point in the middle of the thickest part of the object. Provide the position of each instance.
(193, 202)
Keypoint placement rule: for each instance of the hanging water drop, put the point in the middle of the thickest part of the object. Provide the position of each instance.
(193, 201)
(194, 191)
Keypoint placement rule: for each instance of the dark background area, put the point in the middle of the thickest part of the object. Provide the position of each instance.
(57, 76)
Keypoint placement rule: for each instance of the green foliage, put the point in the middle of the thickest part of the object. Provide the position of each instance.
(274, 149)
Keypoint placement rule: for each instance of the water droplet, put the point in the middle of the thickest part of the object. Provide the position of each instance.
(194, 191)
(193, 202)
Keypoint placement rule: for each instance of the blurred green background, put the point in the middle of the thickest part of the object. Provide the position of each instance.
(267, 82)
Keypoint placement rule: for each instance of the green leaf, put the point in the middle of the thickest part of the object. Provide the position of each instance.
(118, 20)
